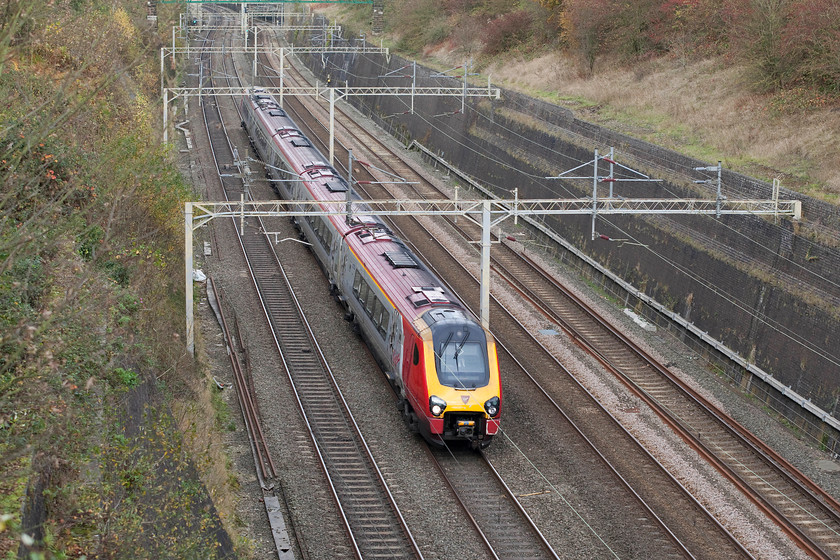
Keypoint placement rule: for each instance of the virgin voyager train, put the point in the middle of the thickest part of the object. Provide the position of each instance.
(441, 362)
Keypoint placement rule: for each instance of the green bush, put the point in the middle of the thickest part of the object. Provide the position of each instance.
(125, 378)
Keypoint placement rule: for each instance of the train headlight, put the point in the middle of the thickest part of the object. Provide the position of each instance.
(492, 407)
(436, 405)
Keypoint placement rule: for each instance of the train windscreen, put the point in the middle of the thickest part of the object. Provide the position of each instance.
(461, 356)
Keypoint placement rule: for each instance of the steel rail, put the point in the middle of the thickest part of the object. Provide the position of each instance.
(815, 495)
(224, 179)
(255, 284)
(502, 536)
(821, 499)
(665, 529)
(325, 432)
(256, 437)
(250, 416)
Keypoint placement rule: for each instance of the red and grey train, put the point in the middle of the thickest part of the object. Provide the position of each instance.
(439, 359)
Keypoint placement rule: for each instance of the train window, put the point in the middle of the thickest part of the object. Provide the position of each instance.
(319, 227)
(384, 323)
(461, 362)
(416, 358)
(357, 283)
(378, 312)
(370, 302)
(364, 292)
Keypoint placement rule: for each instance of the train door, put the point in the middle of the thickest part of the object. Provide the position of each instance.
(395, 346)
(338, 253)
(411, 361)
(413, 377)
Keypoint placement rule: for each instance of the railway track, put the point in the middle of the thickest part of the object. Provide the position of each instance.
(503, 524)
(652, 476)
(373, 522)
(223, 160)
(806, 512)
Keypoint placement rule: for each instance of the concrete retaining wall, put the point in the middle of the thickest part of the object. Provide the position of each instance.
(767, 290)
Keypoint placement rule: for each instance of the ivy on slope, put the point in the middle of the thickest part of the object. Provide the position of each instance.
(91, 462)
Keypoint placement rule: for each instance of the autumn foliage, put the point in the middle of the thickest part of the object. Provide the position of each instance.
(507, 31)
(787, 43)
(92, 463)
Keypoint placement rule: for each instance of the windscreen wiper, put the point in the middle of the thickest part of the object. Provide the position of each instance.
(460, 347)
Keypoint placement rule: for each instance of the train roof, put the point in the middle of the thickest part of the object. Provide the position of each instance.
(407, 282)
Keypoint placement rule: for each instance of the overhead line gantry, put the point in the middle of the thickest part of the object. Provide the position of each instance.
(330, 94)
(486, 213)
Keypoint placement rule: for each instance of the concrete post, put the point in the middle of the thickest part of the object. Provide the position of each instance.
(282, 62)
(594, 193)
(332, 124)
(165, 116)
(188, 271)
(485, 265)
(255, 54)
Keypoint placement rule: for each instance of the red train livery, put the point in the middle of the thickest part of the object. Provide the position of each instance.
(441, 362)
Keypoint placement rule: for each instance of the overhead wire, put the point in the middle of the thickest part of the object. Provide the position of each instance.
(560, 493)
(670, 191)
(443, 127)
(708, 284)
(711, 285)
(775, 253)
(702, 281)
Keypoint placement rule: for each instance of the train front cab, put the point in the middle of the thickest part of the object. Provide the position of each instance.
(452, 378)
